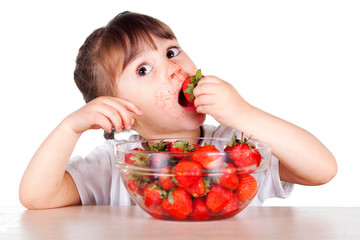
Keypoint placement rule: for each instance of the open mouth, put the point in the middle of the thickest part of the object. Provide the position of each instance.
(183, 101)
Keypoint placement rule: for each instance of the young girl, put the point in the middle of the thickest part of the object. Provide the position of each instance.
(130, 74)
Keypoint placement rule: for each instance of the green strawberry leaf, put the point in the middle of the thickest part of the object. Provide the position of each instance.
(171, 198)
(198, 75)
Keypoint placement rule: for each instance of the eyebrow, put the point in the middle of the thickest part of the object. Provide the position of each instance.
(171, 43)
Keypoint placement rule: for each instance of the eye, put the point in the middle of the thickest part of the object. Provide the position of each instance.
(172, 52)
(143, 70)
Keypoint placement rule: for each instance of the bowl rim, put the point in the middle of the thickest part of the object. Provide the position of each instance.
(154, 171)
(265, 145)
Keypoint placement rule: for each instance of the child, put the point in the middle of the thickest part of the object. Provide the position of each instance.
(130, 74)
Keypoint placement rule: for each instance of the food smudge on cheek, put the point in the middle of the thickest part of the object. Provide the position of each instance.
(166, 102)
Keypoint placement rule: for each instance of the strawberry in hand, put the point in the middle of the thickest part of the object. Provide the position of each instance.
(189, 85)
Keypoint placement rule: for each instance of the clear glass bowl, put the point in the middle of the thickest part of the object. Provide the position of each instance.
(196, 184)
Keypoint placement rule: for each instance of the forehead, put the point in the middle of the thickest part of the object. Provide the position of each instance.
(143, 46)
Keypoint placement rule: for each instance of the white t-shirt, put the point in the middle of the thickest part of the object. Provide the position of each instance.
(99, 182)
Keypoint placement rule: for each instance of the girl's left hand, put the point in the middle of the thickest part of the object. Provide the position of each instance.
(220, 99)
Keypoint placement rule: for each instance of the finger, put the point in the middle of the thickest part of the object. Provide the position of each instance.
(209, 79)
(101, 121)
(113, 115)
(117, 102)
(203, 109)
(126, 118)
(204, 100)
(205, 89)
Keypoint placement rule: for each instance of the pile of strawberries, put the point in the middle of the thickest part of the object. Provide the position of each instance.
(194, 182)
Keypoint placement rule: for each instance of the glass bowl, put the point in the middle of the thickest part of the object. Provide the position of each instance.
(192, 179)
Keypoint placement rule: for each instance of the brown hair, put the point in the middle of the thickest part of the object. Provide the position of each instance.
(109, 49)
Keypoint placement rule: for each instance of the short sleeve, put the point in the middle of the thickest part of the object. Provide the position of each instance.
(92, 175)
(272, 186)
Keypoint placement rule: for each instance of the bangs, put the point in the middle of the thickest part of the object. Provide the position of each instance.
(128, 33)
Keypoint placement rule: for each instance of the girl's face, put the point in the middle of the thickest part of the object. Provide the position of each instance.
(153, 81)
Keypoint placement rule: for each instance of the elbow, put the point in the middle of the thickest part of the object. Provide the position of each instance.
(31, 204)
(329, 171)
(29, 200)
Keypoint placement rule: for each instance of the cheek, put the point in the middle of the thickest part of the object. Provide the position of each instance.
(166, 102)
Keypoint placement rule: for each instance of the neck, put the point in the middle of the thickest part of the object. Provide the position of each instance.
(181, 134)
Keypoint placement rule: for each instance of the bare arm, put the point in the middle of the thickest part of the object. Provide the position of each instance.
(303, 158)
(45, 183)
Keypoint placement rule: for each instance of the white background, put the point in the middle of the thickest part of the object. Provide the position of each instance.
(299, 60)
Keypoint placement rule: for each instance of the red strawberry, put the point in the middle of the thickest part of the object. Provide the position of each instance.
(135, 188)
(156, 210)
(232, 207)
(217, 198)
(229, 179)
(166, 181)
(243, 153)
(189, 85)
(161, 146)
(137, 183)
(187, 173)
(153, 194)
(199, 210)
(197, 189)
(247, 188)
(196, 146)
(181, 146)
(178, 204)
(207, 157)
(130, 158)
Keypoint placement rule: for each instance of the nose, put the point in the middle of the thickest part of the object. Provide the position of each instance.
(175, 70)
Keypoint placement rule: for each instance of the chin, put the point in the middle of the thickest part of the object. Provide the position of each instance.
(195, 121)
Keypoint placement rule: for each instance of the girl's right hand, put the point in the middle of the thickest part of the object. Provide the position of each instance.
(104, 112)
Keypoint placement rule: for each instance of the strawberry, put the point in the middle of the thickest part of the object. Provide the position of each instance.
(232, 207)
(217, 198)
(229, 179)
(181, 146)
(247, 188)
(131, 158)
(187, 173)
(156, 210)
(197, 189)
(189, 85)
(137, 183)
(161, 146)
(204, 156)
(178, 204)
(243, 153)
(199, 210)
(166, 181)
(153, 194)
(132, 186)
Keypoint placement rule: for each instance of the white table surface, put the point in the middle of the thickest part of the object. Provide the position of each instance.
(119, 222)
